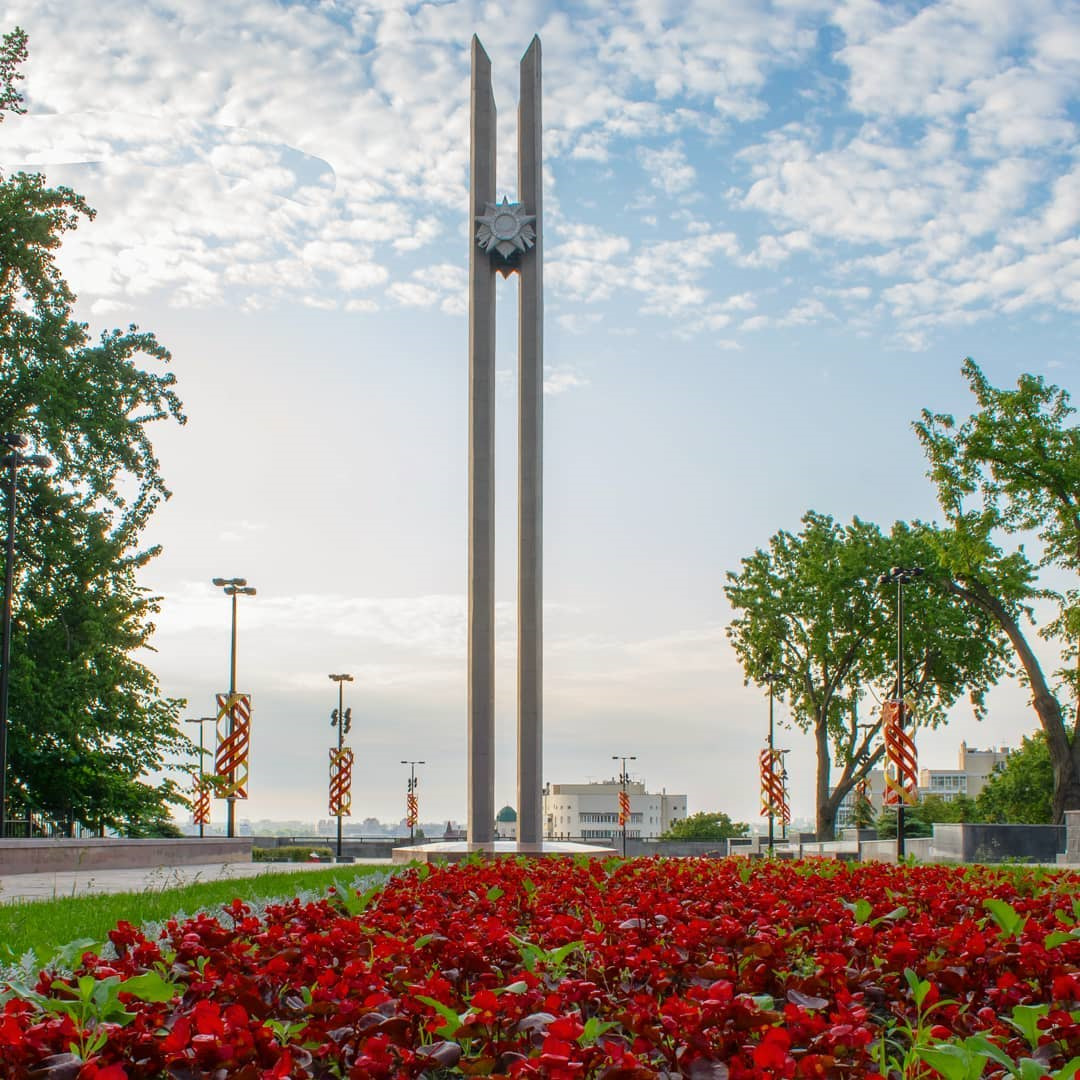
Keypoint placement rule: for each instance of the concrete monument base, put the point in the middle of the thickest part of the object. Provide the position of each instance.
(458, 850)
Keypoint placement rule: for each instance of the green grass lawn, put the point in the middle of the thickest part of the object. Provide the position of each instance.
(47, 925)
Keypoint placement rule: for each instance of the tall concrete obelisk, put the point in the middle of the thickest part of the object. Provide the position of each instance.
(505, 238)
(530, 641)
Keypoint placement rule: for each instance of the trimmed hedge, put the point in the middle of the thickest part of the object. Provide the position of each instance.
(295, 853)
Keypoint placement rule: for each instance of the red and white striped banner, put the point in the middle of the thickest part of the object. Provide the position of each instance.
(341, 763)
(233, 744)
(200, 810)
(774, 799)
(901, 760)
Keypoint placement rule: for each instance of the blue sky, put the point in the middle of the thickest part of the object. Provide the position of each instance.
(773, 231)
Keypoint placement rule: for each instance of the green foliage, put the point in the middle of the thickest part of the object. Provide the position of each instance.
(862, 812)
(919, 819)
(1012, 468)
(153, 829)
(705, 826)
(43, 926)
(959, 808)
(289, 853)
(1010, 922)
(808, 608)
(89, 727)
(96, 1002)
(1021, 791)
(914, 825)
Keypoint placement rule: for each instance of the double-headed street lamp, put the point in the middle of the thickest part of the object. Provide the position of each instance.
(341, 718)
(900, 576)
(13, 461)
(202, 795)
(411, 803)
(624, 795)
(233, 587)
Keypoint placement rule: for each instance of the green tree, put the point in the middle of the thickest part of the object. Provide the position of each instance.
(915, 827)
(862, 812)
(705, 826)
(1012, 469)
(1022, 791)
(959, 808)
(809, 610)
(87, 721)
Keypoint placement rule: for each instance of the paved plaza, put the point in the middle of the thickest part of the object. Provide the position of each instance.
(18, 887)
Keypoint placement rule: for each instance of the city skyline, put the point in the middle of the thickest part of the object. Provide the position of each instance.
(773, 233)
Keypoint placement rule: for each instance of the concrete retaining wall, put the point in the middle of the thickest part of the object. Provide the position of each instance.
(977, 843)
(708, 849)
(111, 853)
(354, 847)
(1071, 855)
(885, 850)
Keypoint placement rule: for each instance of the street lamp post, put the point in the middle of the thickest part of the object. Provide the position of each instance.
(202, 759)
(412, 793)
(13, 460)
(901, 576)
(342, 720)
(624, 797)
(233, 587)
(770, 678)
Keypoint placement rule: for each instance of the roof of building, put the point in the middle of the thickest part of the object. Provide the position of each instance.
(507, 813)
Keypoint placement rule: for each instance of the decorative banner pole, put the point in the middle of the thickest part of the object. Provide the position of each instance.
(770, 678)
(902, 756)
(233, 587)
(624, 796)
(785, 806)
(233, 743)
(341, 760)
(774, 801)
(200, 814)
(901, 767)
(412, 803)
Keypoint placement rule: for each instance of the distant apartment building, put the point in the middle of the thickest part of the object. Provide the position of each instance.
(975, 769)
(591, 811)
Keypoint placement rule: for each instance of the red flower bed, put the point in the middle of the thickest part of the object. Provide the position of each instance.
(560, 969)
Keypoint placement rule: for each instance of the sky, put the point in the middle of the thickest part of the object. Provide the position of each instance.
(773, 231)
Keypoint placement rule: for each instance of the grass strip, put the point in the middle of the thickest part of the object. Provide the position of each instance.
(47, 925)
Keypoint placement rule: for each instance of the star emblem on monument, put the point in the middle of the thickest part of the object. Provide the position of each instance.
(506, 228)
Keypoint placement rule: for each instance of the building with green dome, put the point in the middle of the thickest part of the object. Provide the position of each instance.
(506, 824)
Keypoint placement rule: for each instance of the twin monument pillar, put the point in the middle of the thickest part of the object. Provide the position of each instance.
(505, 238)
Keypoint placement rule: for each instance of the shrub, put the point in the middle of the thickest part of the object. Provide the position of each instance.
(292, 853)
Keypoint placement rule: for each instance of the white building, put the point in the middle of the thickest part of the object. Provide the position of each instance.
(591, 811)
(875, 791)
(976, 768)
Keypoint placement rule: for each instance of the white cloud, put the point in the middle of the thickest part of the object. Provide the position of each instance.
(243, 153)
(668, 169)
(412, 294)
(558, 380)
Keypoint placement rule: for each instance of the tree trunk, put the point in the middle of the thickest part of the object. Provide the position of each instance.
(825, 824)
(1064, 751)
